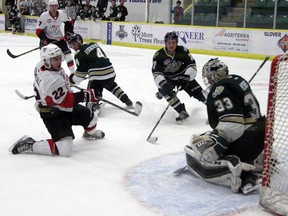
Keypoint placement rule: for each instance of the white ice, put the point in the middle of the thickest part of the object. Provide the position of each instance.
(95, 179)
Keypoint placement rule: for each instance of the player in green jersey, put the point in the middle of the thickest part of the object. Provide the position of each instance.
(91, 61)
(173, 66)
(237, 136)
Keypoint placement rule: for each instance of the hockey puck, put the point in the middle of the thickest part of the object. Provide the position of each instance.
(158, 95)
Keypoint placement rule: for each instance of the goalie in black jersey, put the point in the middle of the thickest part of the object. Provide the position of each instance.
(173, 66)
(226, 154)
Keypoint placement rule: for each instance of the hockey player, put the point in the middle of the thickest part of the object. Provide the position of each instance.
(49, 30)
(173, 66)
(224, 154)
(58, 107)
(92, 61)
(13, 15)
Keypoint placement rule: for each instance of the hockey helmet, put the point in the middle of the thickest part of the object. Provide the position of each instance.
(171, 36)
(52, 2)
(74, 37)
(48, 52)
(214, 71)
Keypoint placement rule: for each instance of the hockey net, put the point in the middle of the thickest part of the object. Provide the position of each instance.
(274, 191)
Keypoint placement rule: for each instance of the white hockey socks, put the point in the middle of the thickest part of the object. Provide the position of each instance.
(70, 62)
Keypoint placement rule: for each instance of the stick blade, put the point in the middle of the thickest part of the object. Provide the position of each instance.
(22, 96)
(138, 108)
(180, 171)
(10, 54)
(152, 140)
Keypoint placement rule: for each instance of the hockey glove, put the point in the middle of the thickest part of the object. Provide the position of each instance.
(43, 42)
(209, 147)
(89, 96)
(71, 78)
(167, 88)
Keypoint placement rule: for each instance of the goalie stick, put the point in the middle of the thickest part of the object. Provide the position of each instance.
(16, 56)
(136, 112)
(180, 171)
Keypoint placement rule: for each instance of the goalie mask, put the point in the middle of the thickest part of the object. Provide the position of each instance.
(214, 71)
(48, 52)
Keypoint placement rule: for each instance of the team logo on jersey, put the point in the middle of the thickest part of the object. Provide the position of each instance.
(121, 33)
(283, 43)
(218, 90)
(49, 20)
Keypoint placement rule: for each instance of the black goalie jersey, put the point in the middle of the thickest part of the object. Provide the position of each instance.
(231, 99)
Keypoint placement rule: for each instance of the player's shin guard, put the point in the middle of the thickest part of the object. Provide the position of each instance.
(223, 172)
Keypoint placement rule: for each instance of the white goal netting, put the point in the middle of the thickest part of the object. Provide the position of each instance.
(274, 192)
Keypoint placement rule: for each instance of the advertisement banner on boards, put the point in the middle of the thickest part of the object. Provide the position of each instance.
(154, 35)
(30, 24)
(2, 22)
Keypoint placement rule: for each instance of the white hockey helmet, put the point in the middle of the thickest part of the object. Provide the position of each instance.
(52, 2)
(214, 71)
(48, 52)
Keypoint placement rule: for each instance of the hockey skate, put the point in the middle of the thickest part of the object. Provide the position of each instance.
(97, 107)
(97, 135)
(182, 115)
(250, 183)
(129, 104)
(23, 145)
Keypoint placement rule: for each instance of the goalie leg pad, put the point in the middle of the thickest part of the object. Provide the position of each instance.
(222, 172)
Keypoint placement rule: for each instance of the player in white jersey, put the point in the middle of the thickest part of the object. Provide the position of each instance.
(49, 30)
(59, 108)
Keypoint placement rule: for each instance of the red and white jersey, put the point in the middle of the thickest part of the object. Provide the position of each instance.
(52, 25)
(52, 88)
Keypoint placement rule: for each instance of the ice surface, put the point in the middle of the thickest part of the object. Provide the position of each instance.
(102, 177)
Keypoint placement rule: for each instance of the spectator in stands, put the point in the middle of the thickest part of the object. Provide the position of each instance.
(13, 15)
(23, 7)
(29, 5)
(70, 9)
(95, 14)
(78, 11)
(85, 13)
(10, 2)
(178, 12)
(112, 11)
(61, 4)
(102, 6)
(38, 7)
(122, 11)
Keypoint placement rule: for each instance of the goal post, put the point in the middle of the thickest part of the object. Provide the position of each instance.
(274, 191)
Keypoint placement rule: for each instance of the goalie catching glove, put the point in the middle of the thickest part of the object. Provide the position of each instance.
(209, 146)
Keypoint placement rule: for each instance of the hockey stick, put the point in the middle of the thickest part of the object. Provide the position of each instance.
(137, 108)
(23, 96)
(154, 139)
(16, 56)
(265, 60)
(136, 112)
